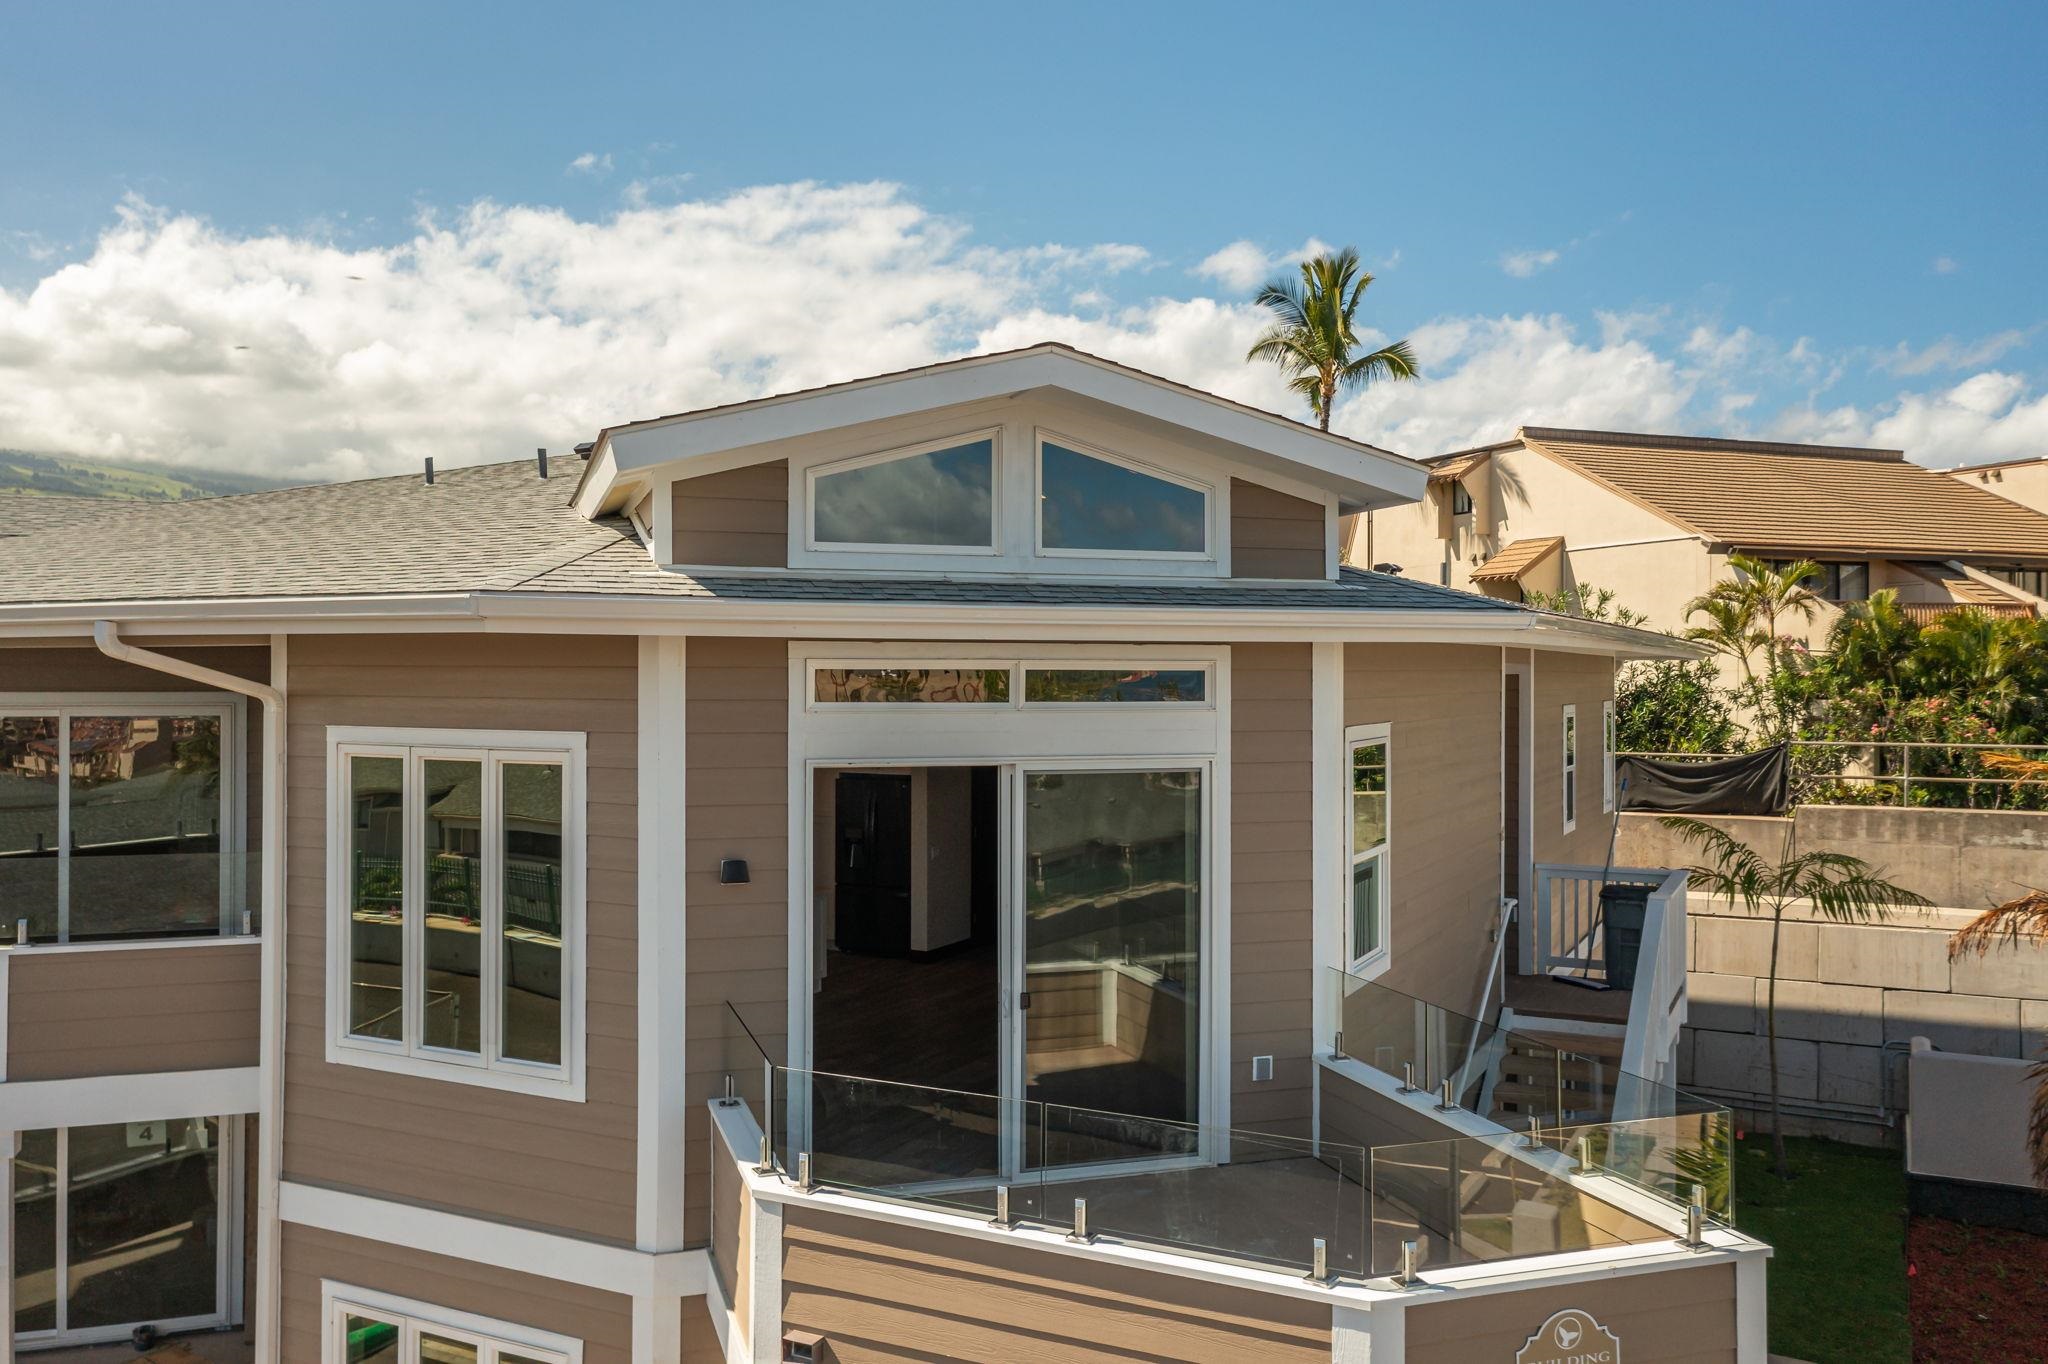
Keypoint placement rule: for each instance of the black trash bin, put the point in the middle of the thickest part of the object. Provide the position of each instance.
(1621, 913)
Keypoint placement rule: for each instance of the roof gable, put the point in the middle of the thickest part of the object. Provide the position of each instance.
(1360, 475)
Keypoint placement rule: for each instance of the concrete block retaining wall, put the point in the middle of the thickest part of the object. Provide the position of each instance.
(1851, 996)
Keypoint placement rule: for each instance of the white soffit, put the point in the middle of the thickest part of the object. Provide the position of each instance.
(1361, 475)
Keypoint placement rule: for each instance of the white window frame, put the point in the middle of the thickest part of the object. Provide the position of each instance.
(993, 435)
(413, 1318)
(232, 714)
(1017, 668)
(1043, 436)
(1357, 963)
(408, 1055)
(1568, 739)
(1607, 757)
(228, 1249)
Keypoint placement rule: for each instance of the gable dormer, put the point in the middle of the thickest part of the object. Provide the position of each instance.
(1040, 462)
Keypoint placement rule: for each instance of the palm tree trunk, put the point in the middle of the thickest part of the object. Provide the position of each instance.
(1771, 1027)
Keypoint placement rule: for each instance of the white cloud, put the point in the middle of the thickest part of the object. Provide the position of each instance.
(1522, 264)
(592, 163)
(1243, 266)
(498, 328)
(1949, 353)
(1945, 265)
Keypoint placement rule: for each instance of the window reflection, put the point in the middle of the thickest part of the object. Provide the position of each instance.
(1100, 685)
(1092, 504)
(453, 798)
(29, 792)
(531, 807)
(35, 1232)
(366, 1340)
(1368, 847)
(1113, 933)
(377, 897)
(146, 821)
(900, 685)
(142, 1222)
(938, 498)
(441, 1350)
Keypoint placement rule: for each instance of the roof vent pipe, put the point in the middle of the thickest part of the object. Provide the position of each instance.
(542, 453)
(430, 471)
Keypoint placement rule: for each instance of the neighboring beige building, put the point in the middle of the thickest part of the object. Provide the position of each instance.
(2024, 481)
(1656, 519)
(941, 866)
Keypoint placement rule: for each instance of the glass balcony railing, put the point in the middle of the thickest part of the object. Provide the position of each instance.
(1306, 1200)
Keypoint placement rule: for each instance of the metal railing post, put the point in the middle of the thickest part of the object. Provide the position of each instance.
(767, 1165)
(1080, 1231)
(1319, 1262)
(1411, 1263)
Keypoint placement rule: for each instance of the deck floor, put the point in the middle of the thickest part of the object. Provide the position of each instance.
(1540, 996)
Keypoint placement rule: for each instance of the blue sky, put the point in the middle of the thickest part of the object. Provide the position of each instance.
(1812, 221)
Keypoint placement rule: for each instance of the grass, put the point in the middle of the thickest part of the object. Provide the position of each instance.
(1838, 1279)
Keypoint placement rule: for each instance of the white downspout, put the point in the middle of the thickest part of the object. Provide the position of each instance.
(270, 1106)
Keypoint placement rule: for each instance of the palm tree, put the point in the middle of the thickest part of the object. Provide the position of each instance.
(2011, 924)
(1839, 887)
(1744, 613)
(1876, 639)
(1730, 630)
(1315, 337)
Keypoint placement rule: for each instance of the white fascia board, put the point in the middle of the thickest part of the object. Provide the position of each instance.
(1360, 474)
(567, 613)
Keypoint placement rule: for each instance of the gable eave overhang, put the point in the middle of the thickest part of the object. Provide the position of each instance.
(1362, 476)
(577, 613)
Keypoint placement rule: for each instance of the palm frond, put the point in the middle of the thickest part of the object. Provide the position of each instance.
(2006, 925)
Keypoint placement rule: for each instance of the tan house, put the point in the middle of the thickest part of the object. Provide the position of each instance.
(1656, 518)
(2024, 481)
(940, 866)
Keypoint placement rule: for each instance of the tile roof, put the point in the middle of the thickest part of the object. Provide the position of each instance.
(1456, 467)
(500, 528)
(1517, 558)
(1805, 498)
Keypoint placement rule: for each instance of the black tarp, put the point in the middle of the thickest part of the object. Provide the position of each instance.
(1757, 783)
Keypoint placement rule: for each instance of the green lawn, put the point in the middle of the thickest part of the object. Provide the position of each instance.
(1838, 1280)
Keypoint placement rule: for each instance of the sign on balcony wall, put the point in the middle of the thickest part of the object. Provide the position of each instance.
(1571, 1337)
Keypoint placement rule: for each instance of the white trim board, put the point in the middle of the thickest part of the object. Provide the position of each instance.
(102, 1099)
(525, 1250)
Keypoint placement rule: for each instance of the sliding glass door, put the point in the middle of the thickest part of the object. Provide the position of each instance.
(1107, 964)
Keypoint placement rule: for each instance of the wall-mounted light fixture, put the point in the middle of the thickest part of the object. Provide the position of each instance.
(732, 871)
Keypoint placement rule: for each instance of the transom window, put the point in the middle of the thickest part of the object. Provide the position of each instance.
(118, 820)
(457, 914)
(374, 1328)
(1011, 684)
(1090, 502)
(936, 497)
(1368, 796)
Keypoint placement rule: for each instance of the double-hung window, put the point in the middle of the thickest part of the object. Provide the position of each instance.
(1367, 808)
(1606, 757)
(456, 905)
(1571, 768)
(363, 1327)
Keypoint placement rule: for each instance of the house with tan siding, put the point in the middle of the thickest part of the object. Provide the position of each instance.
(1656, 519)
(947, 865)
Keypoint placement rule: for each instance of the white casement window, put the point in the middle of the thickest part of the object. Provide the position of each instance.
(455, 905)
(1096, 504)
(1368, 800)
(1606, 757)
(121, 817)
(1571, 768)
(932, 498)
(365, 1327)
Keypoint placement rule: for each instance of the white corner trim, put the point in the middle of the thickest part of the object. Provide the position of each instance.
(100, 1100)
(1328, 837)
(1379, 1336)
(661, 1102)
(525, 1250)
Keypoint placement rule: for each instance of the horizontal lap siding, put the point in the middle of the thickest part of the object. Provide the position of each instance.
(736, 741)
(738, 517)
(603, 1321)
(517, 1158)
(879, 1292)
(1676, 1316)
(1585, 681)
(1272, 922)
(1274, 535)
(1441, 703)
(131, 1011)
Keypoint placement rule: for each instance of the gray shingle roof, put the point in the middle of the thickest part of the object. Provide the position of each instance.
(500, 528)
